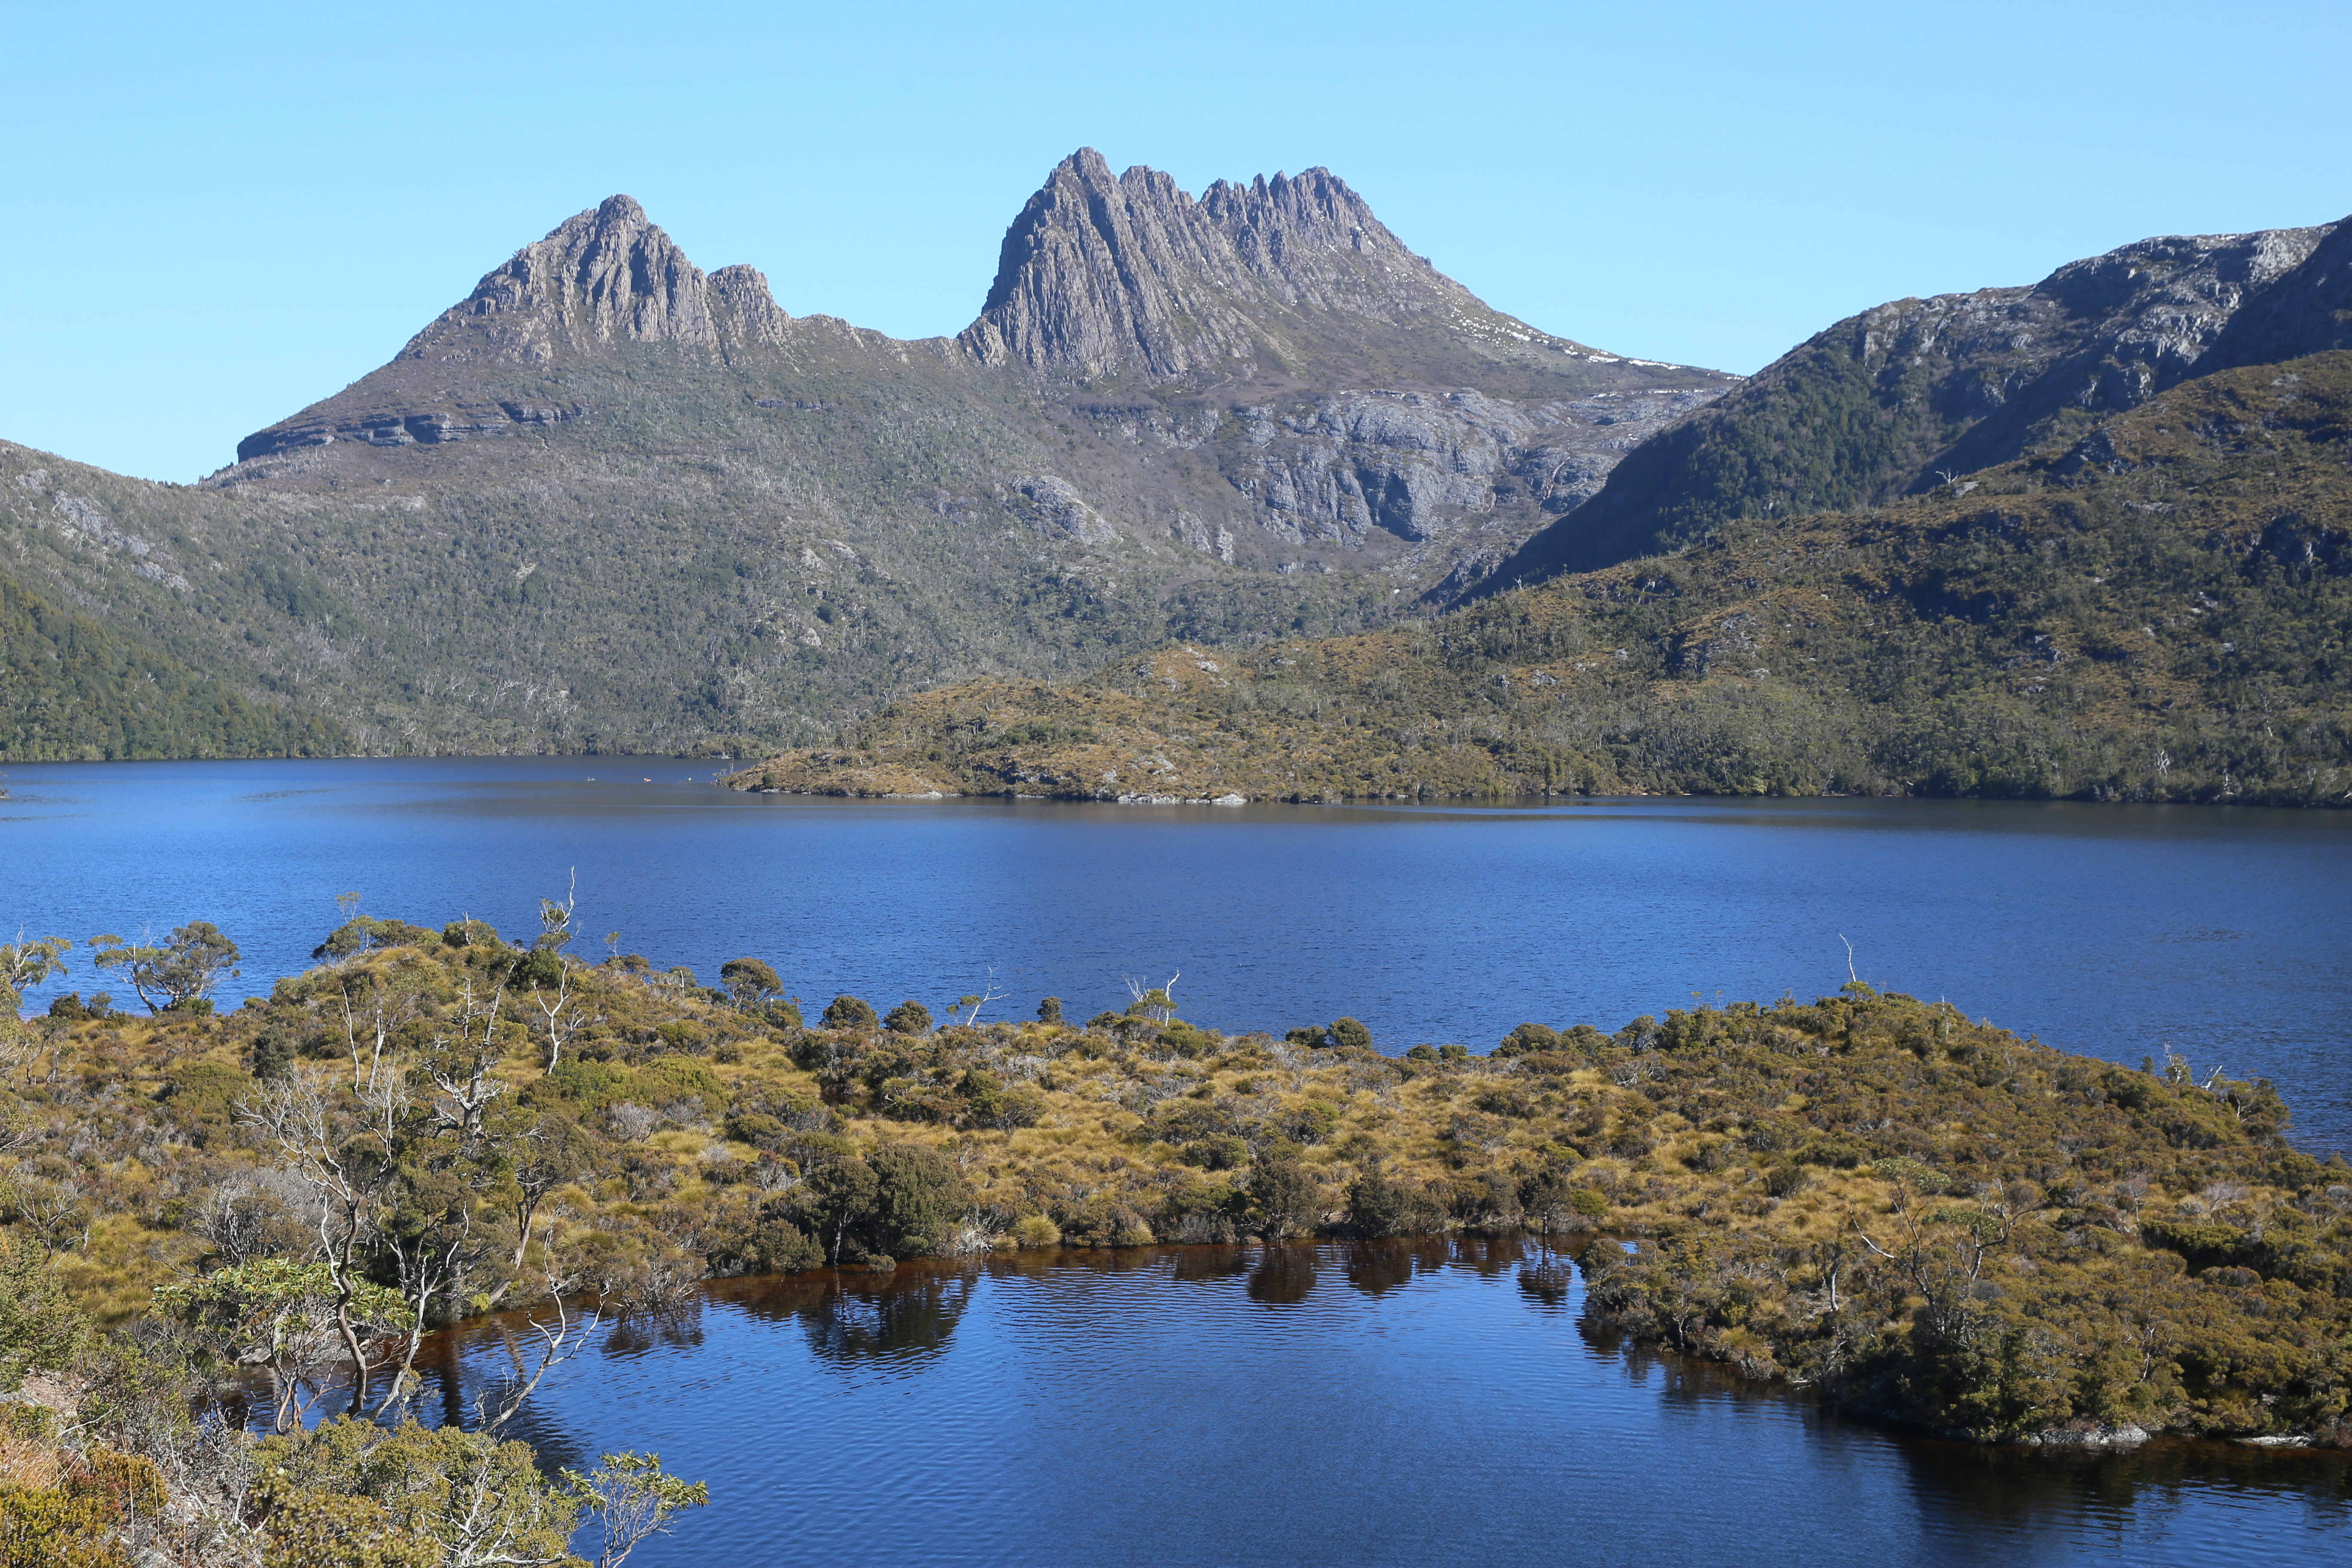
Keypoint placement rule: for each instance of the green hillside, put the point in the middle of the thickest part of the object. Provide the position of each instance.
(2161, 610)
(70, 690)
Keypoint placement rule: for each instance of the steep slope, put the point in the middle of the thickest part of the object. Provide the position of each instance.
(1891, 402)
(1273, 282)
(71, 690)
(2161, 610)
(612, 502)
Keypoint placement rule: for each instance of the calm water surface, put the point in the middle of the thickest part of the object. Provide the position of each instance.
(2121, 931)
(1315, 1404)
(1371, 1403)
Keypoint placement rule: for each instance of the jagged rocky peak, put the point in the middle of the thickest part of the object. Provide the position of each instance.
(1317, 243)
(1101, 275)
(1128, 276)
(606, 274)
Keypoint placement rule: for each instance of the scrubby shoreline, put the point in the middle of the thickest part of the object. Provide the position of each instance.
(1868, 1194)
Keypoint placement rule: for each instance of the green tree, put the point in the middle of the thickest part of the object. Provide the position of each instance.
(838, 1196)
(918, 1195)
(284, 1317)
(1288, 1200)
(1526, 1039)
(40, 1328)
(25, 964)
(1049, 1011)
(1350, 1034)
(751, 982)
(182, 972)
(629, 1498)
(479, 1501)
(851, 1012)
(273, 1053)
(909, 1017)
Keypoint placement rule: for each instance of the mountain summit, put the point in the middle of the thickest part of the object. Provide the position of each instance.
(605, 276)
(1900, 399)
(1291, 277)
(608, 273)
(608, 500)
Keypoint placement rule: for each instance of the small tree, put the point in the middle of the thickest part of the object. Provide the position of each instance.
(1049, 1011)
(851, 1012)
(1350, 1034)
(630, 1498)
(1525, 1039)
(1288, 1200)
(751, 982)
(909, 1017)
(286, 1317)
(25, 964)
(182, 972)
(837, 1194)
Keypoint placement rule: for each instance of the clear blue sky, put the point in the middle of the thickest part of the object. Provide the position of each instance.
(221, 213)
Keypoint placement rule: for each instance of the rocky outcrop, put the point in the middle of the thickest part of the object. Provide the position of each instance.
(1128, 277)
(2308, 310)
(1900, 398)
(609, 275)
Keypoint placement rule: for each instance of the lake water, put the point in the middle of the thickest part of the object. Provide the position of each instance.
(2120, 931)
(1329, 1404)
(1361, 1404)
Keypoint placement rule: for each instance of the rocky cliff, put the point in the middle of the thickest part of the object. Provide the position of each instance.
(1894, 401)
(1282, 279)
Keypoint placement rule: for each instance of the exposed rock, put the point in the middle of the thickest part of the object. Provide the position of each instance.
(605, 276)
(1898, 399)
(1052, 504)
(2308, 310)
(2087, 1434)
(1287, 278)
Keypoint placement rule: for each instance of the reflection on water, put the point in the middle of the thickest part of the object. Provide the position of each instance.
(1356, 1403)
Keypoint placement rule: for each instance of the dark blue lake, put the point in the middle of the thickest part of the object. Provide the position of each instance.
(2120, 931)
(1317, 1405)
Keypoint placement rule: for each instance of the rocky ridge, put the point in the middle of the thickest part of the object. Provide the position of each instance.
(1901, 399)
(609, 501)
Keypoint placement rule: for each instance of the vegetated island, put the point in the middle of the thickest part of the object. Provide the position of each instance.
(2155, 608)
(1922, 1216)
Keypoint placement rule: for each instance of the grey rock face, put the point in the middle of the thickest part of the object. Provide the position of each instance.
(1051, 504)
(606, 275)
(1129, 279)
(2308, 310)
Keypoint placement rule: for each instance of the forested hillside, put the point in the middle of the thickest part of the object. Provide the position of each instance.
(2157, 611)
(71, 690)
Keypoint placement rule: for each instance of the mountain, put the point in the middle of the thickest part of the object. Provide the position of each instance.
(1898, 399)
(2159, 610)
(610, 501)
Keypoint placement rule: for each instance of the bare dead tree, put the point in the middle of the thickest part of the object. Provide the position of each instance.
(989, 995)
(547, 1342)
